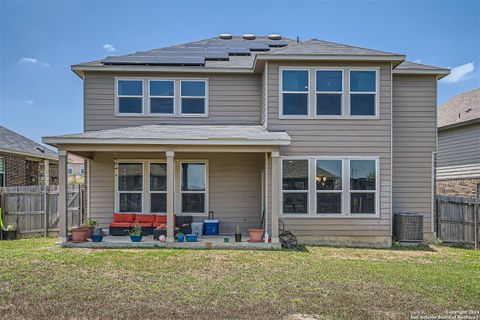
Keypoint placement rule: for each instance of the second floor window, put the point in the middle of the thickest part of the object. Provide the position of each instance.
(130, 96)
(295, 92)
(363, 89)
(193, 96)
(162, 96)
(329, 90)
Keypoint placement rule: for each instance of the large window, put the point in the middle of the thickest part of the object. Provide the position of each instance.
(295, 187)
(363, 91)
(193, 97)
(162, 96)
(158, 187)
(363, 186)
(130, 187)
(329, 186)
(329, 91)
(130, 96)
(295, 92)
(193, 187)
(2, 172)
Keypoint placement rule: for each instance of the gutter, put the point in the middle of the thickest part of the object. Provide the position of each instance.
(459, 124)
(440, 73)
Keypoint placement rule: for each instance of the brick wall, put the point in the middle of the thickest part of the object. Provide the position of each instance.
(457, 187)
(15, 170)
(53, 170)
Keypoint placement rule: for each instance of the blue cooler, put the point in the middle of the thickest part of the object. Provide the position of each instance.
(210, 227)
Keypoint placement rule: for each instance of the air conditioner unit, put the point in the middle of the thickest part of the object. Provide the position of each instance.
(408, 227)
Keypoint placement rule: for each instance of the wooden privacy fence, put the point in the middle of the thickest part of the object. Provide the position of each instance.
(34, 209)
(458, 219)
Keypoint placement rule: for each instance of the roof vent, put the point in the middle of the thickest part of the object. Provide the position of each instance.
(468, 110)
(249, 36)
(225, 36)
(274, 37)
(40, 149)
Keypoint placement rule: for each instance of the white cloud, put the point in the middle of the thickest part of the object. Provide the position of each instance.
(30, 60)
(30, 102)
(417, 61)
(459, 73)
(108, 47)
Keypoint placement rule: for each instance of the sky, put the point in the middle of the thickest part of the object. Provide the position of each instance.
(40, 40)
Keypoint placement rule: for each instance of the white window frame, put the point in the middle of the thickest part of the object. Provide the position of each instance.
(377, 83)
(180, 193)
(281, 92)
(149, 111)
(375, 192)
(3, 181)
(205, 98)
(312, 194)
(307, 191)
(117, 192)
(149, 163)
(342, 94)
(342, 192)
(117, 97)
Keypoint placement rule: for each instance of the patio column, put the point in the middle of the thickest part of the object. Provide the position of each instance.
(275, 194)
(170, 196)
(62, 195)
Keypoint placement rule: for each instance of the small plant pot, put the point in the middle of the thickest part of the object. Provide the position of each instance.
(181, 238)
(79, 235)
(9, 234)
(191, 237)
(136, 238)
(256, 235)
(238, 237)
(97, 238)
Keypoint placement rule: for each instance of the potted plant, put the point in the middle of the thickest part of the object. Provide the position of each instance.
(89, 225)
(256, 235)
(97, 235)
(135, 233)
(180, 237)
(79, 234)
(10, 233)
(238, 235)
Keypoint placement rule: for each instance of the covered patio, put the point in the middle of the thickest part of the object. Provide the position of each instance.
(241, 164)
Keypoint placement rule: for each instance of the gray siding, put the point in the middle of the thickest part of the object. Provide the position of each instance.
(339, 137)
(459, 146)
(233, 98)
(234, 186)
(414, 132)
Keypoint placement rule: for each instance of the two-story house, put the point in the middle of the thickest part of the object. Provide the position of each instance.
(329, 138)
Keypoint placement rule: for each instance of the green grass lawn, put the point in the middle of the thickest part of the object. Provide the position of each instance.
(42, 281)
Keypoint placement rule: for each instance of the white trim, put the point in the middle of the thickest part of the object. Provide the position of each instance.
(204, 97)
(376, 93)
(33, 156)
(117, 97)
(345, 185)
(4, 160)
(181, 192)
(341, 93)
(391, 149)
(344, 200)
(267, 199)
(149, 111)
(156, 141)
(89, 188)
(117, 192)
(281, 92)
(265, 117)
(149, 189)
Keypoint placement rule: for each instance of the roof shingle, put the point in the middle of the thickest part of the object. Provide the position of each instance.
(462, 108)
(15, 143)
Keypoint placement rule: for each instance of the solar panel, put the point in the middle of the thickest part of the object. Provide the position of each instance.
(196, 53)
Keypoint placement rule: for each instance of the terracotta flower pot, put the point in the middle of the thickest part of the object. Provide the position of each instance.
(256, 235)
(89, 231)
(79, 234)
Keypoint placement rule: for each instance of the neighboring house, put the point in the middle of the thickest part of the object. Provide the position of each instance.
(76, 166)
(331, 139)
(24, 162)
(458, 157)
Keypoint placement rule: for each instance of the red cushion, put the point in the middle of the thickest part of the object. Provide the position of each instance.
(158, 224)
(123, 217)
(163, 218)
(144, 218)
(142, 224)
(120, 225)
